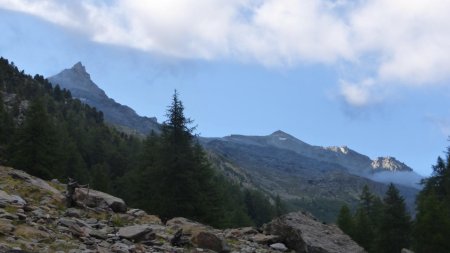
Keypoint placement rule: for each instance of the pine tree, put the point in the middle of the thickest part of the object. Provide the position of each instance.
(432, 225)
(179, 173)
(280, 207)
(35, 148)
(394, 231)
(366, 219)
(345, 220)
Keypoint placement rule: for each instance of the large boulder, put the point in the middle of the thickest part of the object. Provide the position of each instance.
(98, 199)
(304, 234)
(208, 240)
(136, 232)
(5, 198)
(37, 182)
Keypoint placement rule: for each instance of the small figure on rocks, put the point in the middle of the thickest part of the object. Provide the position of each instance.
(178, 239)
(71, 186)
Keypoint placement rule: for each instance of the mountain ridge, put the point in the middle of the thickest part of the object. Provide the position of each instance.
(78, 81)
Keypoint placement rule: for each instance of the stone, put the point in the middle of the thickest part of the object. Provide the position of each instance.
(148, 219)
(73, 212)
(208, 240)
(279, 247)
(11, 199)
(264, 239)
(31, 233)
(188, 226)
(18, 174)
(93, 198)
(302, 233)
(135, 232)
(119, 247)
(240, 232)
(6, 226)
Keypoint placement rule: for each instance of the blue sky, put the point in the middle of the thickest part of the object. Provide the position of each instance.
(372, 75)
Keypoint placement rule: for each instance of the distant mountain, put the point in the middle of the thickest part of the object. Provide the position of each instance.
(310, 177)
(79, 82)
(382, 169)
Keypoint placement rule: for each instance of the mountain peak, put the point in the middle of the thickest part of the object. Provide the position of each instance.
(390, 164)
(279, 133)
(79, 68)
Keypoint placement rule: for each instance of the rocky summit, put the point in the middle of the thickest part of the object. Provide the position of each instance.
(78, 81)
(34, 218)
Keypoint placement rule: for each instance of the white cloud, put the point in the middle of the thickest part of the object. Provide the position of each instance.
(360, 94)
(407, 41)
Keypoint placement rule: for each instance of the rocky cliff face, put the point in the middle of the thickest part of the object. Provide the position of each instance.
(79, 82)
(34, 218)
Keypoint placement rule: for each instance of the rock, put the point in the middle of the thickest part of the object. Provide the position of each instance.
(208, 240)
(11, 199)
(303, 233)
(136, 212)
(279, 247)
(188, 226)
(407, 251)
(31, 233)
(73, 212)
(6, 226)
(119, 247)
(136, 232)
(240, 232)
(148, 219)
(18, 174)
(93, 198)
(264, 239)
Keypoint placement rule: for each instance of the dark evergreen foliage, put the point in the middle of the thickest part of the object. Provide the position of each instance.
(378, 226)
(394, 230)
(432, 225)
(345, 220)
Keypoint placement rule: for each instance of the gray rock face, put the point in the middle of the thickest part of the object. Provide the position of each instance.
(79, 82)
(135, 232)
(304, 234)
(93, 198)
(279, 246)
(390, 164)
(5, 198)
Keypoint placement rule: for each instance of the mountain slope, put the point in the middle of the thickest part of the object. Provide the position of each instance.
(279, 164)
(381, 169)
(79, 82)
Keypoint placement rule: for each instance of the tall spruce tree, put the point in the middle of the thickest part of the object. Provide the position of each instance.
(345, 220)
(432, 225)
(394, 231)
(182, 177)
(366, 218)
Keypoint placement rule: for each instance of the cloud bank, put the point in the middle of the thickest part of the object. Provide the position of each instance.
(402, 42)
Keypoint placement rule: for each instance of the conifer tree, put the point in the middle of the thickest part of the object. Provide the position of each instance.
(432, 225)
(181, 176)
(35, 147)
(366, 218)
(394, 230)
(345, 220)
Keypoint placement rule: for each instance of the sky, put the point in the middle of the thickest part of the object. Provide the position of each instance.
(369, 74)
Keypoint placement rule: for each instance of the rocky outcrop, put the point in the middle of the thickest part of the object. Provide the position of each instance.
(93, 198)
(32, 220)
(304, 234)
